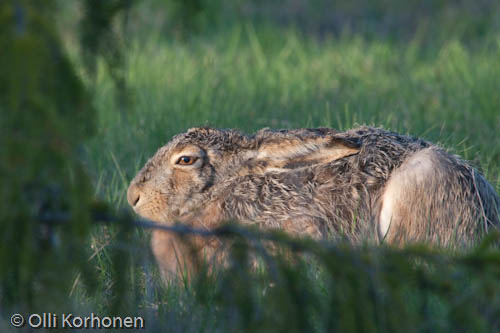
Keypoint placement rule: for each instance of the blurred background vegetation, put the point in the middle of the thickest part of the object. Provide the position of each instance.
(90, 89)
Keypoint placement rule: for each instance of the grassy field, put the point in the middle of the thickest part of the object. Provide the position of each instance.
(89, 90)
(249, 78)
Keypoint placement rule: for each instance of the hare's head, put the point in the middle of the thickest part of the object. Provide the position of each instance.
(181, 177)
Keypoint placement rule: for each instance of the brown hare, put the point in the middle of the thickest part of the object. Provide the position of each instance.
(366, 183)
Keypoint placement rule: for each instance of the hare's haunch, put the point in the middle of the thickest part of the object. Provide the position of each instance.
(314, 182)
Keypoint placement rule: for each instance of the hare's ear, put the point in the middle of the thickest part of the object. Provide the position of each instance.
(291, 153)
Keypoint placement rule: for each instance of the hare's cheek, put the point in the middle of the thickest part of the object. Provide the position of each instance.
(182, 180)
(205, 178)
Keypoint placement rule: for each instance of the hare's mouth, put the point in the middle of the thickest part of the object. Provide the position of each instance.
(151, 208)
(151, 214)
(141, 207)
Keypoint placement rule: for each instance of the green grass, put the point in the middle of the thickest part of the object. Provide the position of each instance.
(249, 78)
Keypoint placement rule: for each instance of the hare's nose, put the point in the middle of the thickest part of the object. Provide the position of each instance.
(133, 195)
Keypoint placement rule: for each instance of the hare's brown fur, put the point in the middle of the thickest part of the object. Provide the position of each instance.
(315, 182)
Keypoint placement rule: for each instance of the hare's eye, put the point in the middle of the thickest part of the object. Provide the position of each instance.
(186, 160)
